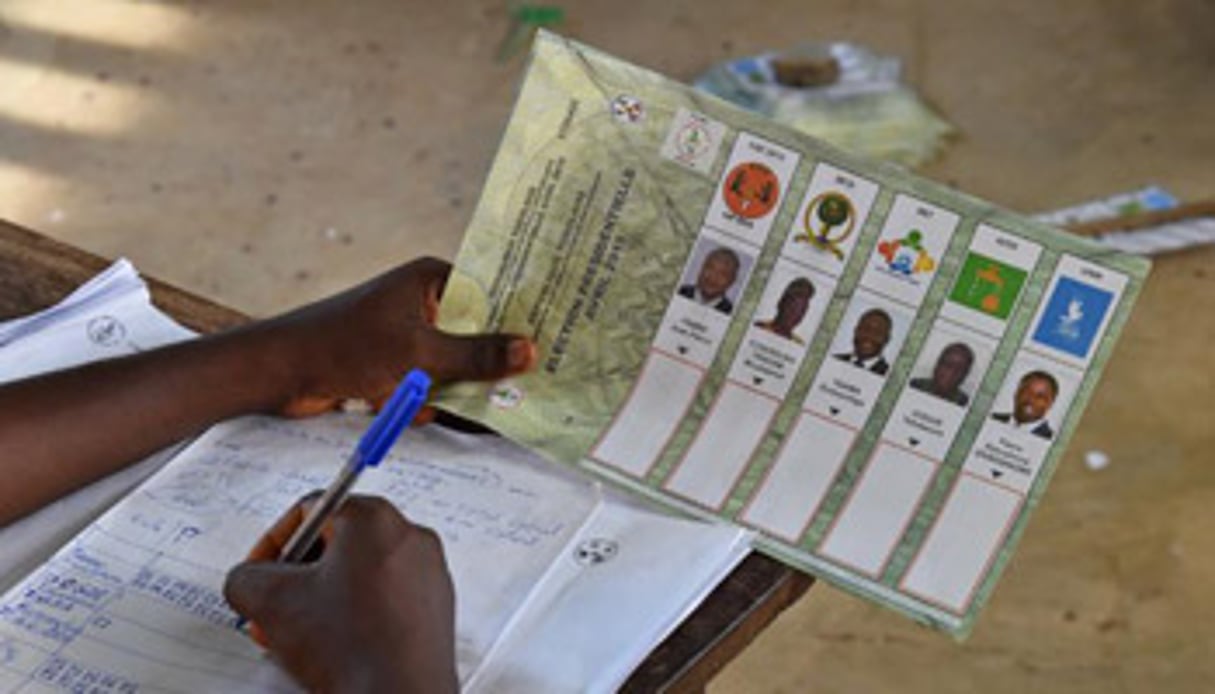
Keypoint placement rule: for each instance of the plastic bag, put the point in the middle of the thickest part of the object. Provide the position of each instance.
(839, 92)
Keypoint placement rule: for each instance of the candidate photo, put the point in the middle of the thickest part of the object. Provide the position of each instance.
(791, 310)
(951, 369)
(718, 273)
(1036, 393)
(870, 336)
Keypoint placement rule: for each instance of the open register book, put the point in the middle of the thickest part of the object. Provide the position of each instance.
(875, 372)
(544, 561)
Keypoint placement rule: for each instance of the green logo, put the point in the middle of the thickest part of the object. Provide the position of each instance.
(988, 286)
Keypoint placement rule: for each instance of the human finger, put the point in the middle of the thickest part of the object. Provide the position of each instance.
(309, 406)
(270, 545)
(258, 590)
(450, 358)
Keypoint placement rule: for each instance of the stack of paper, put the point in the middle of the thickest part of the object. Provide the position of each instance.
(109, 316)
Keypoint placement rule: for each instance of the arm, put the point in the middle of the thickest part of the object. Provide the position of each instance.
(60, 431)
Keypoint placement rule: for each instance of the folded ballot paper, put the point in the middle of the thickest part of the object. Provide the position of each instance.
(118, 586)
(876, 373)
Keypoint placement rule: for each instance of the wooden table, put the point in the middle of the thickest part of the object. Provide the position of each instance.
(36, 271)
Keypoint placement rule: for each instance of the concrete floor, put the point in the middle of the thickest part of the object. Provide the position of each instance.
(265, 153)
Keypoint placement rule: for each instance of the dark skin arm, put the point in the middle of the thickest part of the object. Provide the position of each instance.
(61, 431)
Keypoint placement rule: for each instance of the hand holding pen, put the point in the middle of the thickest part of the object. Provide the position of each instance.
(375, 612)
(397, 414)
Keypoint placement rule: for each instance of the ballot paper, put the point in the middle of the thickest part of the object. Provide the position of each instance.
(875, 372)
(543, 560)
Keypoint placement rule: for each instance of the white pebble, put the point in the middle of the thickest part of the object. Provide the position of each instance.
(56, 216)
(1096, 460)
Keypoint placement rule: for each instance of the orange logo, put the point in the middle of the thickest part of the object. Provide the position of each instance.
(751, 190)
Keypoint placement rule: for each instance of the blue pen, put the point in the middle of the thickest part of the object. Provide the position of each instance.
(384, 430)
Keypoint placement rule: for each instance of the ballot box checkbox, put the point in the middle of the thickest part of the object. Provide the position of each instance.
(793, 488)
(658, 402)
(878, 510)
(723, 446)
(962, 544)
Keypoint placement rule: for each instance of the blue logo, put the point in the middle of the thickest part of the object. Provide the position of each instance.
(1072, 317)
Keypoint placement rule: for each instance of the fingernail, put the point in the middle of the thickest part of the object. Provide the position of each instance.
(520, 354)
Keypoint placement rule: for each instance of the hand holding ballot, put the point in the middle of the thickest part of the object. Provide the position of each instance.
(353, 345)
(360, 342)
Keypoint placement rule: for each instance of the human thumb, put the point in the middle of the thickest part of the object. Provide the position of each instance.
(474, 357)
(260, 592)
